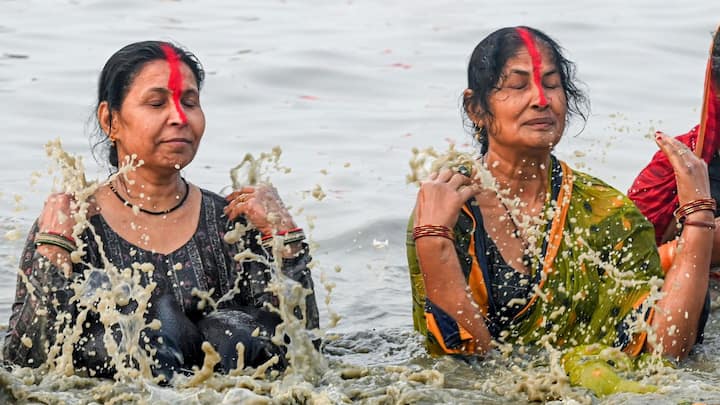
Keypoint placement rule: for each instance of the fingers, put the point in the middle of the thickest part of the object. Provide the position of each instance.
(262, 206)
(237, 202)
(247, 189)
(458, 180)
(683, 159)
(468, 191)
(454, 178)
(445, 175)
(673, 149)
(57, 214)
(691, 171)
(236, 193)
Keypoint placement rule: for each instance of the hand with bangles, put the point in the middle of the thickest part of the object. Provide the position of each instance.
(54, 238)
(151, 228)
(262, 206)
(691, 173)
(441, 196)
(694, 197)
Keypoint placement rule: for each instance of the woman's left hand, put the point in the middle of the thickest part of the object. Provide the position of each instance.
(262, 206)
(691, 172)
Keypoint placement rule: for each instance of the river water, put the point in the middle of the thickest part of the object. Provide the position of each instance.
(346, 89)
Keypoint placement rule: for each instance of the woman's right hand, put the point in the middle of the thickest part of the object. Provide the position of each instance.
(691, 173)
(56, 216)
(442, 196)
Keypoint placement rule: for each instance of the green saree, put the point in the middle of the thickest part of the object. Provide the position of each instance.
(597, 264)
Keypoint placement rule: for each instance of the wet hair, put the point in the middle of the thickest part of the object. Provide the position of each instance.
(486, 66)
(116, 78)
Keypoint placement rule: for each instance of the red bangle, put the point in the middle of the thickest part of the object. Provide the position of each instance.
(701, 204)
(443, 231)
(281, 233)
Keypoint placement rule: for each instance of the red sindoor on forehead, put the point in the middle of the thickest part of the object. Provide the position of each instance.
(536, 61)
(175, 81)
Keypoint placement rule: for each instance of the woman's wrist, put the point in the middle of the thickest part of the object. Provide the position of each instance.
(698, 208)
(703, 220)
(57, 239)
(291, 240)
(293, 250)
(434, 242)
(425, 231)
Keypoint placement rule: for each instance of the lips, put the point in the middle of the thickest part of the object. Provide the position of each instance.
(177, 140)
(540, 121)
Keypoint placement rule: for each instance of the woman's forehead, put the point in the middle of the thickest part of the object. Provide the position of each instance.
(522, 60)
(156, 73)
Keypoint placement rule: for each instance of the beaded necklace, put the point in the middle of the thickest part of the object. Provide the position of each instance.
(143, 210)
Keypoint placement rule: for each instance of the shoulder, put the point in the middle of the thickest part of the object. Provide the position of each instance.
(212, 195)
(585, 183)
(600, 198)
(212, 198)
(212, 207)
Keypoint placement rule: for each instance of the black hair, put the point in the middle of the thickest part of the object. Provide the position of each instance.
(117, 77)
(486, 66)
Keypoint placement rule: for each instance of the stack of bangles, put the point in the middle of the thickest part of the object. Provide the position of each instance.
(288, 237)
(421, 231)
(702, 204)
(55, 239)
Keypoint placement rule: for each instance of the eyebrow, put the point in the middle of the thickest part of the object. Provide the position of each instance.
(528, 73)
(164, 90)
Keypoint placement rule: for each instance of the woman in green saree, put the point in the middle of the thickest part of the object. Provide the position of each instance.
(547, 254)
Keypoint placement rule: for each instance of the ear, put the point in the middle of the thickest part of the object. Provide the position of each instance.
(104, 117)
(474, 112)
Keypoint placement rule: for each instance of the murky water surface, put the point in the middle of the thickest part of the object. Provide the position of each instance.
(346, 88)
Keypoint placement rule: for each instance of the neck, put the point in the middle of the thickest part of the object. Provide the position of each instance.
(150, 190)
(521, 175)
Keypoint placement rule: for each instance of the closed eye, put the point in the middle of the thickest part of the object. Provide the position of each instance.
(190, 102)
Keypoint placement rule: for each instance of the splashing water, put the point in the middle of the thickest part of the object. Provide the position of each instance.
(551, 381)
(378, 366)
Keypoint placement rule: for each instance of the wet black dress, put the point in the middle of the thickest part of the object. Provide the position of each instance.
(205, 263)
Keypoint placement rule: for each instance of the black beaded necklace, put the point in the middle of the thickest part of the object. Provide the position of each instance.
(143, 210)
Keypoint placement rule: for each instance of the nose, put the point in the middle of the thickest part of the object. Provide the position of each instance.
(539, 98)
(177, 114)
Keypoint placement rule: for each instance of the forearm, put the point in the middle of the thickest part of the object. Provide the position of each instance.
(41, 294)
(678, 313)
(297, 269)
(59, 257)
(446, 287)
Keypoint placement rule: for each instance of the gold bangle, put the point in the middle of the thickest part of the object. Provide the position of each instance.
(701, 204)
